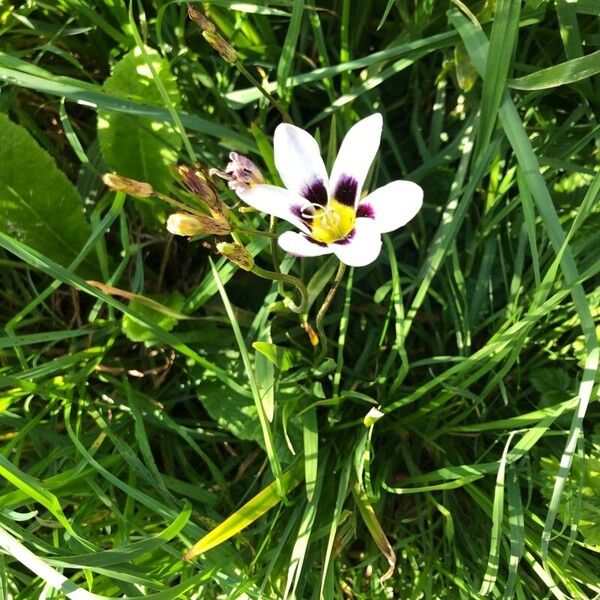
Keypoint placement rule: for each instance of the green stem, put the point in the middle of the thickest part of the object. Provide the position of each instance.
(274, 252)
(287, 279)
(325, 307)
(251, 231)
(258, 85)
(179, 205)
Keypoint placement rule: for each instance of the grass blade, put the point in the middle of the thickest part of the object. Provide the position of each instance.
(260, 409)
(247, 514)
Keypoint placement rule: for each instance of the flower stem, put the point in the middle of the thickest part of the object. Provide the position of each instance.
(258, 85)
(274, 252)
(250, 231)
(287, 279)
(273, 244)
(325, 307)
(177, 204)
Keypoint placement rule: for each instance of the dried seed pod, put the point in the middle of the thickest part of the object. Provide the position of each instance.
(190, 225)
(221, 45)
(197, 185)
(118, 183)
(201, 20)
(237, 254)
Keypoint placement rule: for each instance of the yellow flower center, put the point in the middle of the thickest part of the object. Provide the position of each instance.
(333, 222)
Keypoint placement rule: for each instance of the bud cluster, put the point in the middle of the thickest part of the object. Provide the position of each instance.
(240, 173)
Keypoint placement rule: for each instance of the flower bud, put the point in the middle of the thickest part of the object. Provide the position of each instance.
(237, 254)
(372, 417)
(190, 225)
(221, 45)
(240, 173)
(118, 183)
(197, 185)
(195, 182)
(203, 22)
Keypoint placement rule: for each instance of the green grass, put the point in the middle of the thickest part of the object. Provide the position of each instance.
(128, 434)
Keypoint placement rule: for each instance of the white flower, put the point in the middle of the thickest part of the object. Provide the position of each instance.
(328, 211)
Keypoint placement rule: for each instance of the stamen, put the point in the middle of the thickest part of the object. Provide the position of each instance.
(314, 207)
(332, 222)
(332, 218)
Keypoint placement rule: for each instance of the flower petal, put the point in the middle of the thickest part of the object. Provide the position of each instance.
(392, 205)
(299, 244)
(276, 201)
(354, 160)
(362, 246)
(298, 160)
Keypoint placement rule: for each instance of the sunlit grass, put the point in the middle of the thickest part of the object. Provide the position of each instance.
(128, 434)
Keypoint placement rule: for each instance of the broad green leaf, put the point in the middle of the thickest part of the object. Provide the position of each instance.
(141, 148)
(563, 74)
(38, 204)
(553, 385)
(282, 358)
(238, 414)
(232, 411)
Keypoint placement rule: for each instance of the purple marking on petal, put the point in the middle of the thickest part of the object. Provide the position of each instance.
(301, 213)
(347, 239)
(315, 192)
(345, 190)
(315, 242)
(365, 210)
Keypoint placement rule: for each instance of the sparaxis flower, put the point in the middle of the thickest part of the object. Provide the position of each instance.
(328, 210)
